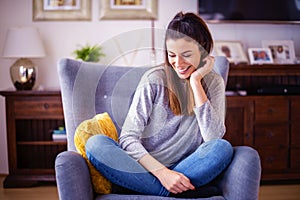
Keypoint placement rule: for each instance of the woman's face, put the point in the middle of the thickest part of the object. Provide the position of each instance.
(184, 56)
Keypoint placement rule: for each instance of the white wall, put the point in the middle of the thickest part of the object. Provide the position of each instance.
(61, 38)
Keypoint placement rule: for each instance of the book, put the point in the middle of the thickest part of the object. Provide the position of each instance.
(59, 134)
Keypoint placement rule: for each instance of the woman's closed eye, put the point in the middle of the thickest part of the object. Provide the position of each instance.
(187, 55)
(172, 55)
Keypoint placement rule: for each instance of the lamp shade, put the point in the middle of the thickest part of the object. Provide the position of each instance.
(23, 42)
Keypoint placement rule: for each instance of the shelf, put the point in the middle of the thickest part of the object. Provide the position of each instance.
(13, 181)
(38, 155)
(31, 118)
(264, 70)
(42, 143)
(30, 93)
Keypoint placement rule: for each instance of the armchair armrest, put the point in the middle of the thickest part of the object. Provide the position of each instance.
(241, 179)
(72, 177)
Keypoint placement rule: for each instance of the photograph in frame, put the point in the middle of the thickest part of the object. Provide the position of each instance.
(128, 9)
(232, 50)
(61, 5)
(260, 56)
(283, 51)
(128, 4)
(55, 10)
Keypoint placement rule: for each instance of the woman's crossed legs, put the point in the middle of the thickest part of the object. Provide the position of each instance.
(201, 167)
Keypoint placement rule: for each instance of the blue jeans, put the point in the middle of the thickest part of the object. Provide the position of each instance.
(201, 167)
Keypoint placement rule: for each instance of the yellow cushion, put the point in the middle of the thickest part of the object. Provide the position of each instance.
(99, 124)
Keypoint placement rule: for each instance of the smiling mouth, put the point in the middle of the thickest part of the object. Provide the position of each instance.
(183, 71)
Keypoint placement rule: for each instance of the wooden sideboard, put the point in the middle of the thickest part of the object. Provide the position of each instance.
(31, 117)
(269, 123)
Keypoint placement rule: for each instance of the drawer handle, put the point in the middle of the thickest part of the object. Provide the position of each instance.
(270, 111)
(247, 135)
(270, 159)
(46, 106)
(270, 134)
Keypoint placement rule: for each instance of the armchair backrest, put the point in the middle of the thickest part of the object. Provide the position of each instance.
(91, 88)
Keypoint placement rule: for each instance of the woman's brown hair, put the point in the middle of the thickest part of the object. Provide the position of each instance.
(192, 28)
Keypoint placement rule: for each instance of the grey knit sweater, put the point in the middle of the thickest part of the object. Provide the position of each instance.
(151, 127)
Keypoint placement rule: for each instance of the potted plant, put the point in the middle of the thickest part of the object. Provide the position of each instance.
(89, 53)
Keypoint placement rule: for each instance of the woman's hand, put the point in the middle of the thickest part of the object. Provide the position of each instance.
(195, 81)
(173, 181)
(205, 69)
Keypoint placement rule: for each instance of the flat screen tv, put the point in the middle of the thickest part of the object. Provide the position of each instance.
(256, 11)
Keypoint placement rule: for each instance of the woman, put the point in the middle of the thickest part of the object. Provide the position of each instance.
(170, 143)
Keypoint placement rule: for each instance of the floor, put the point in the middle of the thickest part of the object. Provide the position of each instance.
(267, 192)
(36, 193)
(279, 192)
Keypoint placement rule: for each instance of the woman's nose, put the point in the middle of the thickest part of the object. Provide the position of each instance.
(178, 61)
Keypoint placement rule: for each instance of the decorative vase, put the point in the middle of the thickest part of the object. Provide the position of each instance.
(23, 74)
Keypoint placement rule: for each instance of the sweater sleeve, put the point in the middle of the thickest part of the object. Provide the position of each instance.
(211, 115)
(137, 119)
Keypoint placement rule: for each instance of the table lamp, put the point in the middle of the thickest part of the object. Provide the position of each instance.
(23, 43)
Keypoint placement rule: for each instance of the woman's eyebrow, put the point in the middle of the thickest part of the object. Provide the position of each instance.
(188, 51)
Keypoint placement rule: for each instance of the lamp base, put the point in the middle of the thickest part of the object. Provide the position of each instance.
(23, 74)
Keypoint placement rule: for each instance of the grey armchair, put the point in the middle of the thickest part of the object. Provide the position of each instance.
(88, 89)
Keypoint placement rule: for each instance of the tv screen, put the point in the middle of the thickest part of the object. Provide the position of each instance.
(273, 11)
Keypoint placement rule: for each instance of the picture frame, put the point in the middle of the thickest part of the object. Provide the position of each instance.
(54, 10)
(122, 10)
(232, 50)
(283, 51)
(260, 56)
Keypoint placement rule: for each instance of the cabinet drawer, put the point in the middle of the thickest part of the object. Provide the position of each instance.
(295, 110)
(41, 108)
(271, 110)
(273, 158)
(295, 138)
(295, 158)
(270, 134)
